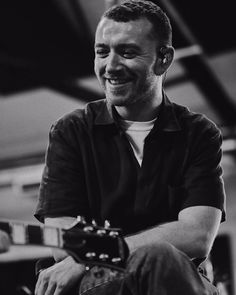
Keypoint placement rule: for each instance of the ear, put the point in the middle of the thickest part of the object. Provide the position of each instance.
(165, 56)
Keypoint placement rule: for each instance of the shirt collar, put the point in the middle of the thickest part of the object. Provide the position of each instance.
(167, 120)
(105, 115)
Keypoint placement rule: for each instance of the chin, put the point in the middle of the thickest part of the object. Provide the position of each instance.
(119, 101)
(119, 98)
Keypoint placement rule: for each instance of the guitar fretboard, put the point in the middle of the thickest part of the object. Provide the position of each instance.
(85, 242)
(31, 234)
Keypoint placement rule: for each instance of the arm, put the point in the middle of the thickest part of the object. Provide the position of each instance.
(61, 222)
(202, 205)
(193, 232)
(61, 190)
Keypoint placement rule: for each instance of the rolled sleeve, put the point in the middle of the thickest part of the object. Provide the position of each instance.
(62, 190)
(203, 179)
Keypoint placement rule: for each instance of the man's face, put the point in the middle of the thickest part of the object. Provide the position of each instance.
(125, 57)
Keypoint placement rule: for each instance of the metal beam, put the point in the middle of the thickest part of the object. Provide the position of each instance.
(198, 67)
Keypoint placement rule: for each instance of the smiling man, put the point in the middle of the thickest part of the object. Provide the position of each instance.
(149, 166)
(126, 64)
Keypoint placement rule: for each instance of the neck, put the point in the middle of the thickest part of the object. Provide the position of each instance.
(141, 111)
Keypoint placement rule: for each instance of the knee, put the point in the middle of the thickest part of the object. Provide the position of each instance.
(160, 253)
(160, 249)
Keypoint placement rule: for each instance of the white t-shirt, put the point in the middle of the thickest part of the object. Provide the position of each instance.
(136, 133)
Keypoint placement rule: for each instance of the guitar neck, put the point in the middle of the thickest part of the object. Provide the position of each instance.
(22, 233)
(86, 243)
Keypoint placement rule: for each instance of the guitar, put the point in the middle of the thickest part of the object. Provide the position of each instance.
(87, 243)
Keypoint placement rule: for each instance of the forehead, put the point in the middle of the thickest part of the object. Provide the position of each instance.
(133, 31)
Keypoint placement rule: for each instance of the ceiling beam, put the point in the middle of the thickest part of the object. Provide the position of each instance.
(199, 69)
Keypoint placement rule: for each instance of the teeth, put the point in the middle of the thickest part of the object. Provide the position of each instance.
(116, 81)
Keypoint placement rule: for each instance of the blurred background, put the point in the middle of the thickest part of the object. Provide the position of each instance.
(46, 70)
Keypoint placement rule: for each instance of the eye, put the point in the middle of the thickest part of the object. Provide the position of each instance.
(129, 53)
(102, 53)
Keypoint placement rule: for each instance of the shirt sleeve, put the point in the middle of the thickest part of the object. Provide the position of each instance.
(203, 178)
(62, 190)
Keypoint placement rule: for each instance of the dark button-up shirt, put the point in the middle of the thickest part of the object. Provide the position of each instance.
(91, 169)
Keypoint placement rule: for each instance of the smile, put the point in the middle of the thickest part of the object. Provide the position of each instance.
(118, 81)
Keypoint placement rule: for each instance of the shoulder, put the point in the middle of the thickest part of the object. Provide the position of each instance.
(195, 124)
(82, 118)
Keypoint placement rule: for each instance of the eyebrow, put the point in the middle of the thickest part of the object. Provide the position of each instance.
(100, 45)
(121, 45)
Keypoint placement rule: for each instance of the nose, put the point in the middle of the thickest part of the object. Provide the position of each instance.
(113, 63)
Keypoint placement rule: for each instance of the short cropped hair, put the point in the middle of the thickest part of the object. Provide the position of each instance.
(131, 10)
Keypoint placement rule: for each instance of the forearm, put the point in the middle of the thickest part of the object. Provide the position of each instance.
(176, 233)
(193, 233)
(61, 222)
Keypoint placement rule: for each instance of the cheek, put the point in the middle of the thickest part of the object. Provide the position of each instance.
(140, 67)
(98, 65)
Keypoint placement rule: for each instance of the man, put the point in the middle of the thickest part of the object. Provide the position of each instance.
(147, 165)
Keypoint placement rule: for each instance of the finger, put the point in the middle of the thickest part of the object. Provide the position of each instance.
(37, 286)
(59, 291)
(44, 288)
(60, 287)
(42, 283)
(40, 288)
(51, 287)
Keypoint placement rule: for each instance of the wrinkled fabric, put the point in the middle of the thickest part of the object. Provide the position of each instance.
(151, 270)
(91, 169)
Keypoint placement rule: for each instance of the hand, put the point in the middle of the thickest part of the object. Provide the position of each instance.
(4, 242)
(59, 278)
